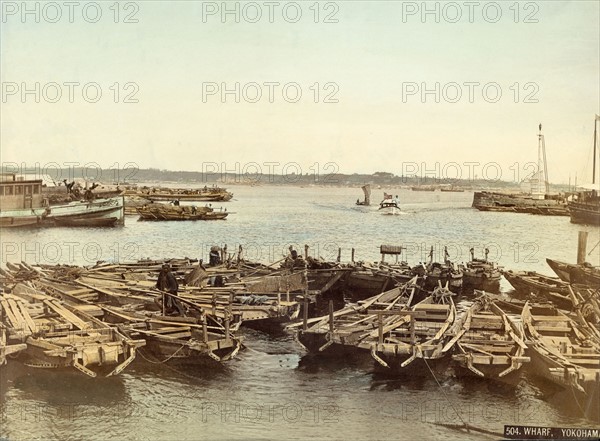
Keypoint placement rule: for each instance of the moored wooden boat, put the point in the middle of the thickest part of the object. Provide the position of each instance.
(347, 326)
(175, 340)
(563, 350)
(584, 273)
(418, 333)
(551, 288)
(60, 336)
(488, 345)
(5, 348)
(86, 222)
(481, 274)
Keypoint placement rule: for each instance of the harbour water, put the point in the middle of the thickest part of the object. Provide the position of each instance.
(272, 389)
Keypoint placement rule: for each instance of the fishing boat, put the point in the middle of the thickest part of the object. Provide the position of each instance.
(584, 273)
(164, 212)
(564, 351)
(389, 204)
(487, 345)
(585, 205)
(22, 205)
(58, 335)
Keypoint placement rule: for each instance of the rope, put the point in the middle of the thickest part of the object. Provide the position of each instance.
(465, 425)
(444, 392)
(598, 243)
(165, 360)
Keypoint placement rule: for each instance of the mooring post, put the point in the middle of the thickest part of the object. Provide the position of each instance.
(339, 257)
(305, 252)
(352, 259)
(331, 316)
(581, 246)
(305, 312)
(226, 325)
(204, 328)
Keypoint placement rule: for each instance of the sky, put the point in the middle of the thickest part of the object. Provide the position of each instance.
(345, 86)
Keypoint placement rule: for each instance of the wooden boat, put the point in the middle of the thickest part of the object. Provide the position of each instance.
(5, 348)
(439, 274)
(163, 212)
(422, 188)
(86, 222)
(366, 281)
(347, 326)
(367, 200)
(563, 350)
(584, 274)
(487, 345)
(206, 194)
(175, 340)
(527, 282)
(60, 336)
(481, 274)
(419, 333)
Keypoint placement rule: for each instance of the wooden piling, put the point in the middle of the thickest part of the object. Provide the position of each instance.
(305, 252)
(204, 328)
(352, 259)
(331, 316)
(305, 312)
(339, 257)
(581, 246)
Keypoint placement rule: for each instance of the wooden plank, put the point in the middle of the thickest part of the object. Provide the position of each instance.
(67, 315)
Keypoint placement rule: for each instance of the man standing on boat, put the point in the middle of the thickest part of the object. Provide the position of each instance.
(168, 283)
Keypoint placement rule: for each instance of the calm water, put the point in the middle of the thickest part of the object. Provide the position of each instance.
(273, 390)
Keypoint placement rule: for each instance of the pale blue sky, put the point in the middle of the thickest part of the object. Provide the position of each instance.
(369, 54)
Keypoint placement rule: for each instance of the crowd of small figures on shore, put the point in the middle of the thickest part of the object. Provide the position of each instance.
(98, 319)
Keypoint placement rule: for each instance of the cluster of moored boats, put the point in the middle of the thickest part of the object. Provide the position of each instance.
(97, 320)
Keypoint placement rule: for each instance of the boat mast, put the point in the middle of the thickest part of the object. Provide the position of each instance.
(542, 170)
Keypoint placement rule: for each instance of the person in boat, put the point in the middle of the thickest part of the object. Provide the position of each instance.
(214, 257)
(194, 210)
(176, 202)
(168, 283)
(396, 200)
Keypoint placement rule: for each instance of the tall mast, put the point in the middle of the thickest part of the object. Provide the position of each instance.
(542, 186)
